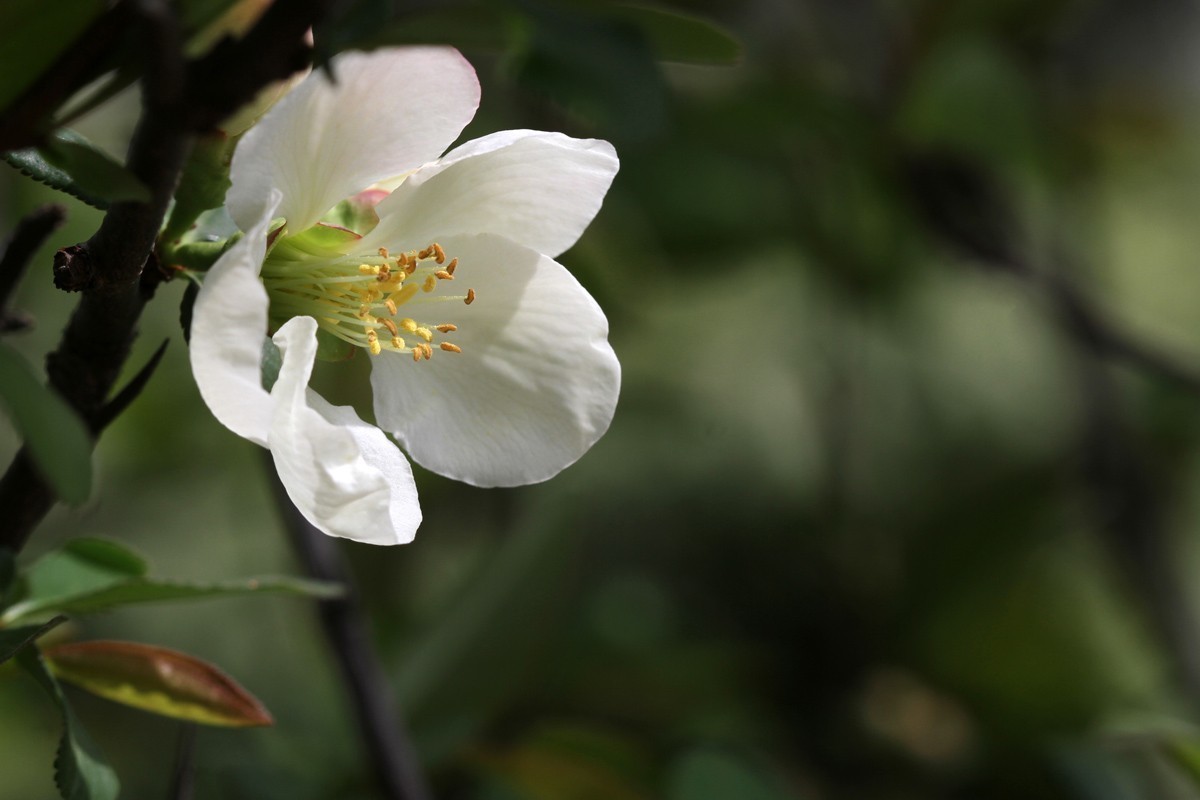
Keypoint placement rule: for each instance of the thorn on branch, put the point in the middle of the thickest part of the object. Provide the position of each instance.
(30, 233)
(124, 398)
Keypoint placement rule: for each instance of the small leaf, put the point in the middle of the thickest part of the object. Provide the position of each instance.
(70, 163)
(58, 441)
(13, 640)
(93, 169)
(79, 567)
(80, 771)
(32, 164)
(157, 680)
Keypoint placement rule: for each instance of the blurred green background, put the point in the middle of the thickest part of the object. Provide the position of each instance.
(873, 519)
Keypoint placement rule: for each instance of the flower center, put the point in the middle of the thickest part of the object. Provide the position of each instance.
(358, 299)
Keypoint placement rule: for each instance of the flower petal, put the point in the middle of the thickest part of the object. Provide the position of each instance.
(229, 325)
(537, 189)
(535, 386)
(344, 475)
(390, 111)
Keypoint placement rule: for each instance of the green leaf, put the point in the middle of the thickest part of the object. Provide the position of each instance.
(13, 640)
(93, 169)
(33, 33)
(80, 771)
(70, 163)
(202, 185)
(678, 37)
(158, 680)
(91, 574)
(58, 441)
(147, 590)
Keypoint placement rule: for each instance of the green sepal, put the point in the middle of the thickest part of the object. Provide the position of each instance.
(202, 185)
(321, 240)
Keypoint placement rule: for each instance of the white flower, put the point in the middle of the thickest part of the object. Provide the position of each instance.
(490, 363)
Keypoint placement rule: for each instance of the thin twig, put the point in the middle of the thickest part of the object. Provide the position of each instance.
(183, 779)
(393, 759)
(31, 232)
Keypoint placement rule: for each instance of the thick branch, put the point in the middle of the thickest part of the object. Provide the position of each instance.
(393, 759)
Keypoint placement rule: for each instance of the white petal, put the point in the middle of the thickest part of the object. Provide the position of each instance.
(390, 111)
(229, 326)
(535, 386)
(344, 475)
(537, 189)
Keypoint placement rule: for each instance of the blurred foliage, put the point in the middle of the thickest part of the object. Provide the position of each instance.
(851, 534)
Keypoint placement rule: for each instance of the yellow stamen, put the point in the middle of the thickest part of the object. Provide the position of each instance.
(443, 275)
(453, 265)
(450, 348)
(368, 269)
(409, 324)
(447, 327)
(405, 294)
(391, 306)
(439, 255)
(470, 297)
(397, 343)
(383, 252)
(427, 350)
(430, 283)
(424, 333)
(391, 326)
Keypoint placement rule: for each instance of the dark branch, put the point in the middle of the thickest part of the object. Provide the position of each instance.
(393, 759)
(30, 234)
(183, 778)
(108, 268)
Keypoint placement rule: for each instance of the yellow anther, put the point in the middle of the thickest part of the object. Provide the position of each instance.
(470, 297)
(383, 253)
(453, 265)
(439, 255)
(387, 323)
(427, 350)
(447, 327)
(429, 284)
(372, 336)
(411, 268)
(443, 275)
(368, 269)
(391, 306)
(397, 343)
(375, 347)
(385, 273)
(364, 312)
(426, 253)
(417, 353)
(424, 333)
(409, 324)
(450, 348)
(404, 295)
